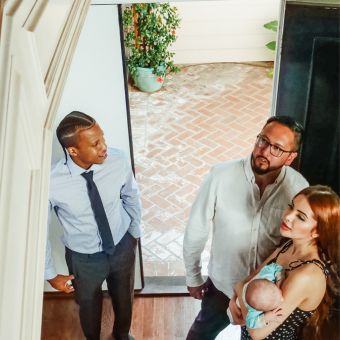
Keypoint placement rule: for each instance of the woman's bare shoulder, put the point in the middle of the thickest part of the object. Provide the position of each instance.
(310, 268)
(308, 281)
(307, 272)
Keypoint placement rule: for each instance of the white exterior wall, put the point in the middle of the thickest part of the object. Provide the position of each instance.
(224, 31)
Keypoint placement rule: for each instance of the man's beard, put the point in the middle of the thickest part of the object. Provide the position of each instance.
(261, 171)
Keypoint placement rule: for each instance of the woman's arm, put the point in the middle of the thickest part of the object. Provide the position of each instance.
(236, 312)
(238, 292)
(297, 289)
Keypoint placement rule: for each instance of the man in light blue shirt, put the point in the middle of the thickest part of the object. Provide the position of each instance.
(89, 263)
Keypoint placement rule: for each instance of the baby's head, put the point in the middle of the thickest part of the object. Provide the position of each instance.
(263, 295)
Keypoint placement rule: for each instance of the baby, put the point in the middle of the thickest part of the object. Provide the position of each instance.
(262, 296)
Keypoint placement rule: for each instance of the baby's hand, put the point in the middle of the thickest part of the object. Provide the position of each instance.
(274, 315)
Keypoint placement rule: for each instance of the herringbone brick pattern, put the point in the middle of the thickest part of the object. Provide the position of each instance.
(203, 115)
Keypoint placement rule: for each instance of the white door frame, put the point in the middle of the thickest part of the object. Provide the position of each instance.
(38, 39)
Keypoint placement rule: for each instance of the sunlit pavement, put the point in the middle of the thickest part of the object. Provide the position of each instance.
(203, 115)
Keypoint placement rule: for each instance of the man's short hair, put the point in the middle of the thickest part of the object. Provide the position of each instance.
(292, 124)
(70, 125)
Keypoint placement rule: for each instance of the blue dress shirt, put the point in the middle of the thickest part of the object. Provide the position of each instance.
(69, 199)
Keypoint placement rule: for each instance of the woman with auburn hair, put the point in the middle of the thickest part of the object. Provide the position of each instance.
(311, 261)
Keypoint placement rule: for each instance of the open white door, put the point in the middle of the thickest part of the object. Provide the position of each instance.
(37, 41)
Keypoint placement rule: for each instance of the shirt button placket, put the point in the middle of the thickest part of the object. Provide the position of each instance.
(254, 238)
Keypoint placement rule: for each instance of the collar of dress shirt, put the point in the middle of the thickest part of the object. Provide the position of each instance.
(250, 174)
(76, 170)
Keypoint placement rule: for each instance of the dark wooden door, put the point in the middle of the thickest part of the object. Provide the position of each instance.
(309, 86)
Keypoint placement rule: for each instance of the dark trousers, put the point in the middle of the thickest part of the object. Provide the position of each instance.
(90, 271)
(212, 318)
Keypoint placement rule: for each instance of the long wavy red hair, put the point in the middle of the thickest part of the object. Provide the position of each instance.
(325, 204)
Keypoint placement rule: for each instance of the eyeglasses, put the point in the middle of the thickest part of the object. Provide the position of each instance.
(275, 151)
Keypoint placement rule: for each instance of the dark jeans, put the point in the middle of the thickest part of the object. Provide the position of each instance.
(212, 318)
(90, 271)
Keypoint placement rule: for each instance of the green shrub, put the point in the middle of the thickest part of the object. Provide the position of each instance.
(149, 31)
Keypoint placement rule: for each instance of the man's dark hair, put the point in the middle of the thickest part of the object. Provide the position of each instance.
(70, 125)
(292, 124)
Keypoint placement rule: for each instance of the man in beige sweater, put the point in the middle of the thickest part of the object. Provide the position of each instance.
(243, 200)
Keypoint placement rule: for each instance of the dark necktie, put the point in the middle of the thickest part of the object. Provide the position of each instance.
(99, 213)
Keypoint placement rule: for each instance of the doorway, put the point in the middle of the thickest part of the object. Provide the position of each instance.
(177, 138)
(207, 113)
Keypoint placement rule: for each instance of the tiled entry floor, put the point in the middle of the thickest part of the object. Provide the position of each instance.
(203, 115)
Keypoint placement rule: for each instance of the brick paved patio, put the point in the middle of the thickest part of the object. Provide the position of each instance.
(203, 115)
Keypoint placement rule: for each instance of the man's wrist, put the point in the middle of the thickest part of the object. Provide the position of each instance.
(195, 281)
(52, 279)
(50, 274)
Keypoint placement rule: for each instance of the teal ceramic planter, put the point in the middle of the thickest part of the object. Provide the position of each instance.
(146, 81)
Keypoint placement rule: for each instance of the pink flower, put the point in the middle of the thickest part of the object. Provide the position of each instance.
(159, 79)
(173, 32)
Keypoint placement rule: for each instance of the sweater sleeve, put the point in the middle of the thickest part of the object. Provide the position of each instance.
(197, 230)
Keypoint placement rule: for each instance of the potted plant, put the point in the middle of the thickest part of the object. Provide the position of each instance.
(150, 29)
